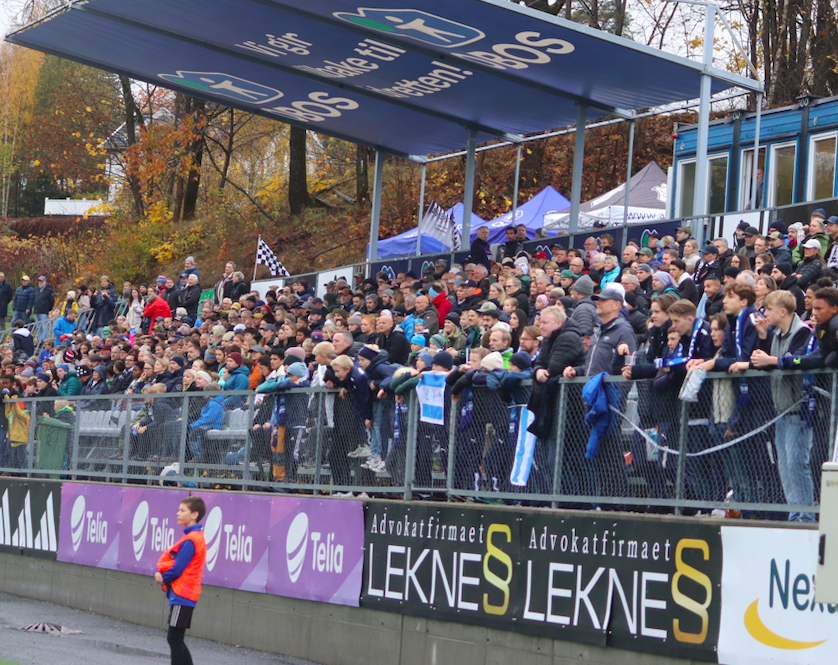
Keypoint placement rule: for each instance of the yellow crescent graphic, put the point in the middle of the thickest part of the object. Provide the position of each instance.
(761, 633)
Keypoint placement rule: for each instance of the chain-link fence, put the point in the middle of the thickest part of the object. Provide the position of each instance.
(750, 443)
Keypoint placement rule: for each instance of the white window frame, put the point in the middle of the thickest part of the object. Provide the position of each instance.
(710, 159)
(771, 195)
(745, 179)
(810, 166)
(680, 189)
(693, 160)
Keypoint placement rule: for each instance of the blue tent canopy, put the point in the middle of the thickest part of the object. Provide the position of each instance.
(407, 81)
(404, 244)
(530, 214)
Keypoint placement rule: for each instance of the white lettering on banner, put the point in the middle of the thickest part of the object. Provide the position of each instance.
(521, 55)
(326, 556)
(441, 78)
(320, 107)
(147, 529)
(769, 613)
(279, 46)
(24, 536)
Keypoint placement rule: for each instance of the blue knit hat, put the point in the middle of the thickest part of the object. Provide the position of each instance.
(418, 339)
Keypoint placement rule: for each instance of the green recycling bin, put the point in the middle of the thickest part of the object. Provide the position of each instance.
(52, 436)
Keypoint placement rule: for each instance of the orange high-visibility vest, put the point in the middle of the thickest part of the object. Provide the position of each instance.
(188, 585)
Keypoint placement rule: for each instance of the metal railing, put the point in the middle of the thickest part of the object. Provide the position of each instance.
(42, 330)
(655, 452)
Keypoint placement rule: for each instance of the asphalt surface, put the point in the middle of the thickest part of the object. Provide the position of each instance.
(105, 641)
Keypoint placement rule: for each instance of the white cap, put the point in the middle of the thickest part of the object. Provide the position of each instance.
(812, 243)
(797, 226)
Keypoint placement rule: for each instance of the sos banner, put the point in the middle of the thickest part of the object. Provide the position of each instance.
(633, 584)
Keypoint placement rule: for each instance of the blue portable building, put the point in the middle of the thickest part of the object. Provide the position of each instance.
(797, 155)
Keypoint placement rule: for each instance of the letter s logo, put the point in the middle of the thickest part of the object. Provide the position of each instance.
(700, 609)
(503, 584)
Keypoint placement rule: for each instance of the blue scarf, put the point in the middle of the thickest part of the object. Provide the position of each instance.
(744, 396)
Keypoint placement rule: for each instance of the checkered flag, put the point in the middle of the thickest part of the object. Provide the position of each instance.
(266, 257)
(438, 225)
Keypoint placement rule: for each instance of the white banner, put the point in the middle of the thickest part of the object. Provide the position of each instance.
(769, 614)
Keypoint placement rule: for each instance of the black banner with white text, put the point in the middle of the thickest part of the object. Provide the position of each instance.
(644, 585)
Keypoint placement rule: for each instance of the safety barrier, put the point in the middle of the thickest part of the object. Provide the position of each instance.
(652, 451)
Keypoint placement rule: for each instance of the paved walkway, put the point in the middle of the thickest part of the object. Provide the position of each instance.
(104, 641)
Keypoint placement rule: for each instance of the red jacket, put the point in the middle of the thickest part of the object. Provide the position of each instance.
(443, 306)
(158, 308)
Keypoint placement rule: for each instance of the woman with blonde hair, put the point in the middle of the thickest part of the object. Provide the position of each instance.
(497, 295)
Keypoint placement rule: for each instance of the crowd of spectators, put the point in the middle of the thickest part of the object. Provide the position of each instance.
(504, 327)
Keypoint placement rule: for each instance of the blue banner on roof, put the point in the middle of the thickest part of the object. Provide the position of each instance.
(403, 79)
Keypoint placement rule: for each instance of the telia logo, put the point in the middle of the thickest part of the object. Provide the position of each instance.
(87, 526)
(139, 529)
(77, 522)
(295, 546)
(212, 535)
(161, 537)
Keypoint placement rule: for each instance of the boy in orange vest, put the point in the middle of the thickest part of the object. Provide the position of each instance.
(179, 572)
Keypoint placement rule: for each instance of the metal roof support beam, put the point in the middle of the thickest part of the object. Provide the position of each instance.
(515, 186)
(469, 193)
(628, 184)
(375, 214)
(578, 164)
(701, 181)
(755, 163)
(421, 211)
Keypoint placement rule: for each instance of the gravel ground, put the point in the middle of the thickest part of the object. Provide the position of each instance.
(105, 641)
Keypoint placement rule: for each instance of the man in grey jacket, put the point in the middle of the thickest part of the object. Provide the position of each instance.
(788, 340)
(584, 309)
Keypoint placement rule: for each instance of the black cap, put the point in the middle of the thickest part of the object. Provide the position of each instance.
(784, 268)
(710, 249)
(471, 283)
(742, 225)
(752, 231)
(732, 271)
(400, 310)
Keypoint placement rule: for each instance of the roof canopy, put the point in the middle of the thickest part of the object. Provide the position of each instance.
(647, 201)
(404, 80)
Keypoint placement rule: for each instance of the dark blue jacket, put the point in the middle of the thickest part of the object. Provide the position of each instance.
(599, 396)
(24, 297)
(43, 301)
(104, 303)
(22, 341)
(291, 407)
(380, 369)
(6, 295)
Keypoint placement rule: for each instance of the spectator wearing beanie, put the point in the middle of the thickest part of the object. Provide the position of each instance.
(786, 281)
(453, 336)
(584, 310)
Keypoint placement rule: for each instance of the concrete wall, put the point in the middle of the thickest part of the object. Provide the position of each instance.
(323, 633)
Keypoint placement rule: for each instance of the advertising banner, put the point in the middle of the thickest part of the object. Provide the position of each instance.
(769, 613)
(235, 529)
(317, 549)
(89, 533)
(644, 585)
(29, 517)
(149, 527)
